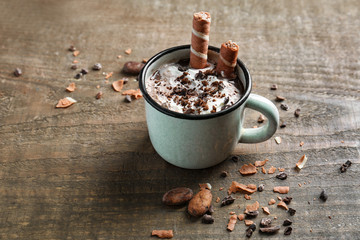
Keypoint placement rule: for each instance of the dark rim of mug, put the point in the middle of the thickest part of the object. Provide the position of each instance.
(191, 116)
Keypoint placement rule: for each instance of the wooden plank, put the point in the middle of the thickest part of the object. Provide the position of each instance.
(90, 171)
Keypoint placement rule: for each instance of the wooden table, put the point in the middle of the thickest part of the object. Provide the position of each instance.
(90, 171)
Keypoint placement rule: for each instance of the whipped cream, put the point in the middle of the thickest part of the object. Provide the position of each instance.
(192, 91)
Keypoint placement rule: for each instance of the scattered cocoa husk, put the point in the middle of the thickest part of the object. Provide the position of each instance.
(232, 222)
(76, 53)
(301, 163)
(238, 187)
(278, 140)
(217, 200)
(248, 222)
(231, 213)
(128, 51)
(283, 205)
(272, 170)
(281, 169)
(282, 189)
(200, 203)
(247, 197)
(260, 163)
(135, 93)
(252, 186)
(177, 196)
(248, 169)
(263, 170)
(163, 233)
(241, 217)
(272, 201)
(266, 210)
(252, 207)
(71, 87)
(301, 144)
(65, 102)
(279, 198)
(118, 85)
(109, 75)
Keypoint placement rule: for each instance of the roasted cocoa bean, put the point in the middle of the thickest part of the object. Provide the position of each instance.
(177, 196)
(132, 67)
(200, 203)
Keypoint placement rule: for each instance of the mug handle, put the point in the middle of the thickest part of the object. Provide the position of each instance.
(266, 107)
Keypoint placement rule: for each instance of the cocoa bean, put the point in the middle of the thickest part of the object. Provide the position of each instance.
(132, 67)
(200, 203)
(177, 196)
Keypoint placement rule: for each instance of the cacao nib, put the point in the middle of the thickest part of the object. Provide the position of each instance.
(227, 200)
(323, 195)
(274, 87)
(273, 229)
(97, 67)
(207, 219)
(291, 211)
(281, 176)
(251, 214)
(261, 187)
(287, 231)
(265, 222)
(284, 106)
(287, 222)
(297, 112)
(287, 200)
(345, 166)
(17, 72)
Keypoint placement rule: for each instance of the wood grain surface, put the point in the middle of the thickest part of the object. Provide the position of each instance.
(90, 171)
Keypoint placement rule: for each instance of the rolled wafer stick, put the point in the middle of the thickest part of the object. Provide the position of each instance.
(227, 59)
(200, 40)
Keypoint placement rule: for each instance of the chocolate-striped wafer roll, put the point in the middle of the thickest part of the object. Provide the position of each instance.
(200, 40)
(227, 59)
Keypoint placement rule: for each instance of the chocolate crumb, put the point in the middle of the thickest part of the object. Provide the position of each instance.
(78, 76)
(287, 231)
(261, 187)
(17, 72)
(273, 87)
(291, 211)
(287, 222)
(84, 71)
(284, 106)
(323, 195)
(97, 67)
(297, 112)
(345, 166)
(72, 48)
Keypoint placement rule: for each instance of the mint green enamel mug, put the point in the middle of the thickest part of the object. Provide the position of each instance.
(201, 141)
